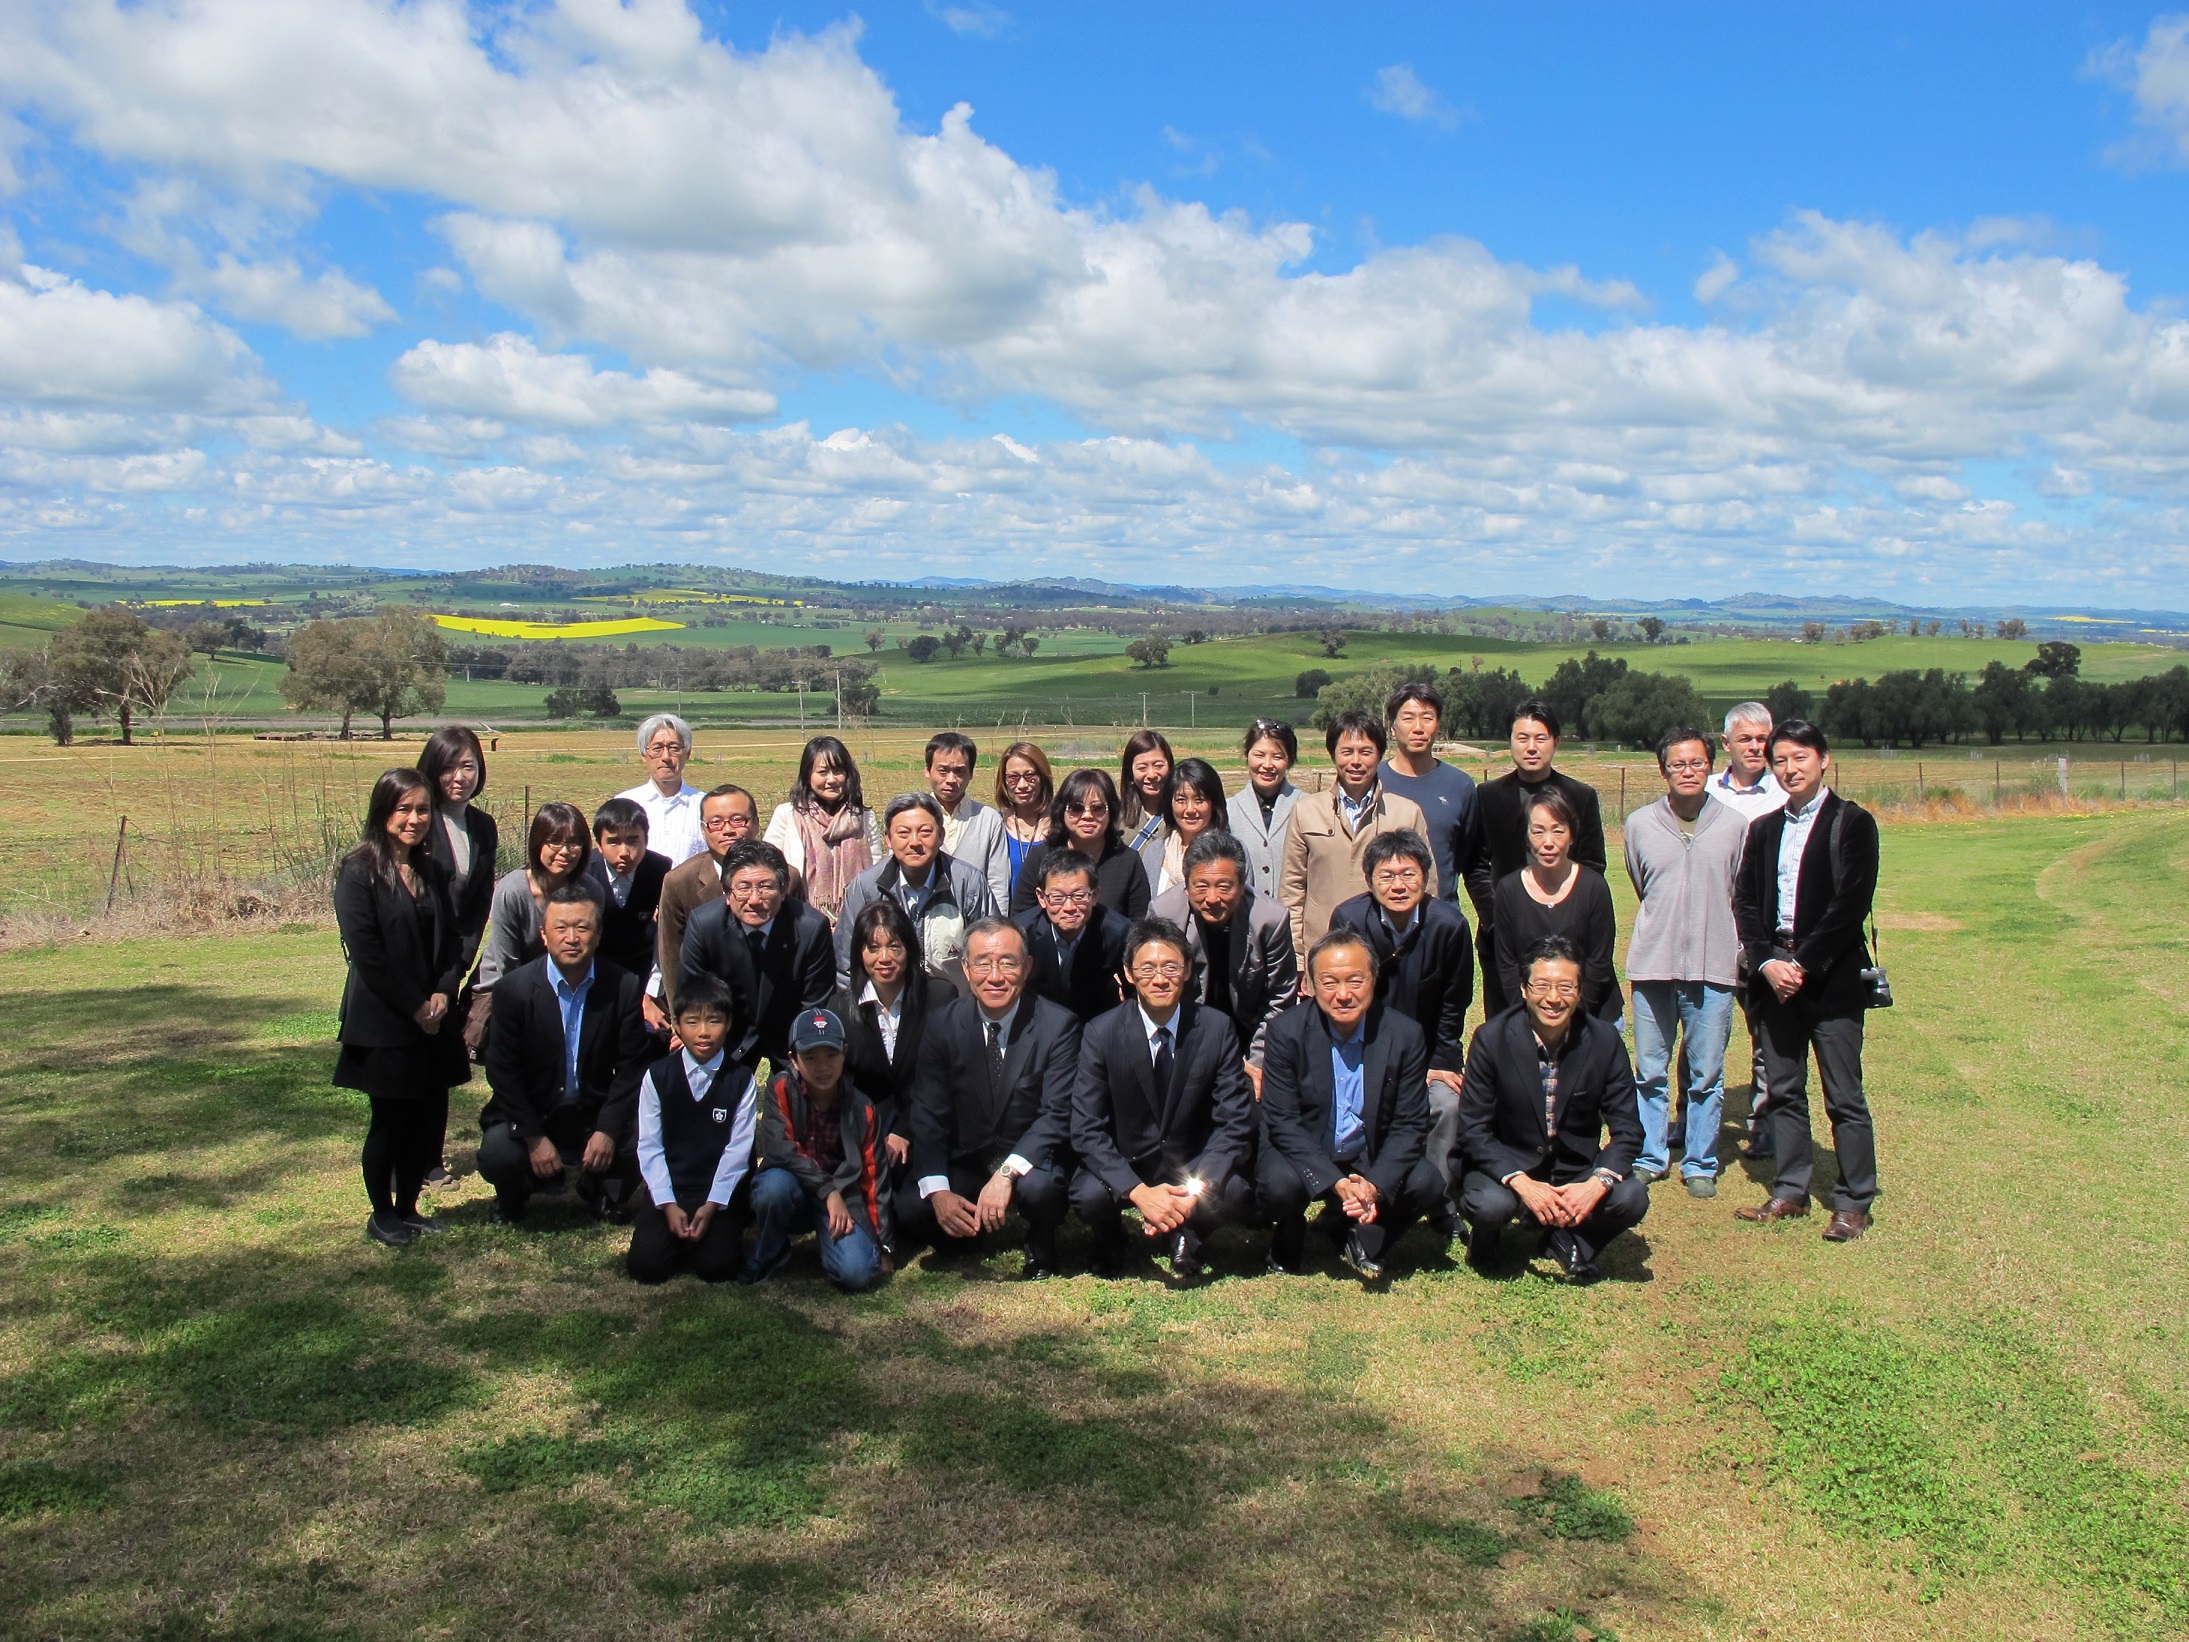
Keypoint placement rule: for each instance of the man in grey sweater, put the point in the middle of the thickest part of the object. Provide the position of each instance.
(1682, 853)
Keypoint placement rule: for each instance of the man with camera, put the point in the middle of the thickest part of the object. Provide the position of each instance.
(1803, 894)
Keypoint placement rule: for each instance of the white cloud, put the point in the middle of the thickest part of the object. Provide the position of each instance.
(1717, 279)
(1398, 90)
(64, 344)
(508, 378)
(2156, 74)
(315, 307)
(975, 18)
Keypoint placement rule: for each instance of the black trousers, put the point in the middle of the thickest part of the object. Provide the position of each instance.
(1226, 1202)
(1490, 1206)
(1038, 1195)
(1281, 1194)
(402, 1145)
(1493, 982)
(1790, 1030)
(505, 1161)
(657, 1254)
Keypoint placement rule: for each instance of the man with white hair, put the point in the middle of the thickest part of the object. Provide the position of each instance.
(1747, 784)
(671, 804)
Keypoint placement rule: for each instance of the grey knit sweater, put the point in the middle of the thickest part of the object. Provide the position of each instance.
(1685, 930)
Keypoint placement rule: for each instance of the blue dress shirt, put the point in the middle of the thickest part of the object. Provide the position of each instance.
(572, 999)
(1349, 1087)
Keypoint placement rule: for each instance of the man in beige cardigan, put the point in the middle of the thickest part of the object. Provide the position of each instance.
(1330, 830)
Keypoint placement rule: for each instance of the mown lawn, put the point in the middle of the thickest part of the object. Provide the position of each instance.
(224, 1414)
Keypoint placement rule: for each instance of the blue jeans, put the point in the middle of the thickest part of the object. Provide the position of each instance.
(781, 1209)
(1663, 1012)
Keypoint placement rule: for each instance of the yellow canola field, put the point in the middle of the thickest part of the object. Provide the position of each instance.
(487, 627)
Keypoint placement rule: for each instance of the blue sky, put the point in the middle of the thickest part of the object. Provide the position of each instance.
(1660, 301)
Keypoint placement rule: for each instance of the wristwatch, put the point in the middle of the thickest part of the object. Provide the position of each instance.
(1606, 1176)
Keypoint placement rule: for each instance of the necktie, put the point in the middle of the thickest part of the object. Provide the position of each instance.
(995, 1058)
(1165, 1061)
(756, 941)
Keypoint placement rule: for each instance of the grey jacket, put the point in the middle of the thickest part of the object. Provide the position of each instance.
(1265, 846)
(513, 929)
(975, 835)
(960, 897)
(1265, 972)
(1685, 930)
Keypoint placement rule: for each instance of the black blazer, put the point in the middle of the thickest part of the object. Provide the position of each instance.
(957, 1119)
(628, 932)
(1128, 1132)
(402, 949)
(1298, 1093)
(1501, 833)
(797, 972)
(473, 894)
(1501, 1127)
(1830, 906)
(1121, 881)
(1428, 976)
(887, 1078)
(1092, 988)
(1585, 917)
(527, 1055)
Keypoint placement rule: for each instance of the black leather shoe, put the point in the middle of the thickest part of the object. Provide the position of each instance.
(1109, 1257)
(1040, 1259)
(388, 1227)
(425, 1225)
(1187, 1266)
(1287, 1244)
(1357, 1261)
(1483, 1243)
(1558, 1243)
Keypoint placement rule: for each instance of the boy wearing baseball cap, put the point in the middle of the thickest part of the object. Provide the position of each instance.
(817, 1163)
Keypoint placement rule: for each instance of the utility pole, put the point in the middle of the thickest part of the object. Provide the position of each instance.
(1143, 709)
(1193, 710)
(839, 698)
(801, 702)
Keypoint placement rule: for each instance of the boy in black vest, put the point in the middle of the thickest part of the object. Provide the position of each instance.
(696, 1116)
(817, 1163)
(630, 877)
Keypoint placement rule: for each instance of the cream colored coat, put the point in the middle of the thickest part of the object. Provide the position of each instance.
(1322, 859)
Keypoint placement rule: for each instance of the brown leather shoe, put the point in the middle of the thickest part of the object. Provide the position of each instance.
(1779, 1208)
(1846, 1225)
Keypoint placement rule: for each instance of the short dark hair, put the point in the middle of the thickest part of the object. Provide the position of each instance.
(443, 748)
(1404, 841)
(699, 993)
(950, 741)
(619, 815)
(913, 801)
(1420, 690)
(1154, 932)
(1550, 947)
(579, 891)
(557, 824)
(1548, 797)
(1072, 793)
(1341, 935)
(996, 924)
(1062, 863)
(1214, 845)
(1543, 713)
(1272, 729)
(1680, 733)
(1201, 776)
(1802, 734)
(755, 852)
(730, 789)
(1355, 722)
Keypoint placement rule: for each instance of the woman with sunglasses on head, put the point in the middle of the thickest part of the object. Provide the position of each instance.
(1142, 773)
(1084, 818)
(400, 1048)
(1193, 803)
(826, 832)
(1261, 811)
(1025, 787)
(556, 849)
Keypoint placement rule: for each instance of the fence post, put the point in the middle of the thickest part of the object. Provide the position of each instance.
(2124, 778)
(121, 833)
(1622, 801)
(1998, 773)
(1919, 781)
(526, 818)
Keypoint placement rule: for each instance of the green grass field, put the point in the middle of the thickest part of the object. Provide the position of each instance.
(223, 1414)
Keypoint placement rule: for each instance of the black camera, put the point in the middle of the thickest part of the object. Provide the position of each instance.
(1881, 989)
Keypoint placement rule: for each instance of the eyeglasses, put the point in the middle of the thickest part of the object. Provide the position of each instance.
(728, 823)
(1158, 971)
(1394, 877)
(662, 749)
(1552, 991)
(1022, 778)
(1688, 766)
(994, 966)
(1068, 897)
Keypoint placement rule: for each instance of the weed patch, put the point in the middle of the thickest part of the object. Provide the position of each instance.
(1569, 1508)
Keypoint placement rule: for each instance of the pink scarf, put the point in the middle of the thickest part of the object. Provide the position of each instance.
(836, 852)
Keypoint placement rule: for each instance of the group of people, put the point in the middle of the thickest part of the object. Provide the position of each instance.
(1147, 1001)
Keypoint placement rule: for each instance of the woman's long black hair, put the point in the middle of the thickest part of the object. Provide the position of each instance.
(1073, 795)
(835, 752)
(374, 847)
(885, 914)
(1201, 776)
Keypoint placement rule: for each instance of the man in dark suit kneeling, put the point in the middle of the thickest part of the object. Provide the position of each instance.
(1162, 1114)
(1544, 1082)
(991, 1107)
(1345, 1114)
(564, 1056)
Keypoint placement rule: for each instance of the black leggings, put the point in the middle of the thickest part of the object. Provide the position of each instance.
(401, 1148)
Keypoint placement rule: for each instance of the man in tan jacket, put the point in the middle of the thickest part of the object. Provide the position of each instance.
(1330, 830)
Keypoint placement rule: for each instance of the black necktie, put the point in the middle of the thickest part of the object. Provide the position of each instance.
(1164, 1060)
(756, 941)
(995, 1058)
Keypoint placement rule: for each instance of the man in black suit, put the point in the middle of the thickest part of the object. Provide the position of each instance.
(1075, 945)
(1501, 828)
(1162, 1114)
(1425, 970)
(564, 1097)
(629, 877)
(1545, 1082)
(775, 955)
(1806, 881)
(1240, 942)
(992, 1107)
(1345, 1114)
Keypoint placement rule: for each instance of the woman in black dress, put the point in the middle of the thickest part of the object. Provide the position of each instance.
(884, 1009)
(1557, 895)
(465, 840)
(1084, 818)
(400, 1044)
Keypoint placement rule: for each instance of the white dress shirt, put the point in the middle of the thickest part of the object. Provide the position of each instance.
(1799, 824)
(1014, 1165)
(888, 1017)
(1150, 1026)
(653, 1163)
(672, 820)
(1761, 799)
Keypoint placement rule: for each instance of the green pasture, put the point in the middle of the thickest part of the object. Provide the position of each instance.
(223, 1414)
